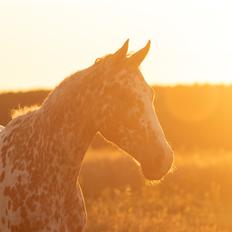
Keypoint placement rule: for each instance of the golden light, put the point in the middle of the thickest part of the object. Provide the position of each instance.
(43, 42)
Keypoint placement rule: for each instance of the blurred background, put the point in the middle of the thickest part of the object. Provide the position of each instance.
(189, 67)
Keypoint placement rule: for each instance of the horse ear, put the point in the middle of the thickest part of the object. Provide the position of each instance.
(122, 52)
(137, 58)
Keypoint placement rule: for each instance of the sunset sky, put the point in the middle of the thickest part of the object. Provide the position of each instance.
(41, 42)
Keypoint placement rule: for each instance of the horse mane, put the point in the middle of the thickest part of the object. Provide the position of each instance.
(103, 58)
(27, 109)
(23, 110)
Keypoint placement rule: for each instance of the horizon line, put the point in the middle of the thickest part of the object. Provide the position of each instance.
(46, 88)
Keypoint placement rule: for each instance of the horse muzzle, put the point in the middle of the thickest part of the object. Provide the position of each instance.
(156, 169)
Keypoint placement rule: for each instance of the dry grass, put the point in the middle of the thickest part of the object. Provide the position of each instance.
(196, 197)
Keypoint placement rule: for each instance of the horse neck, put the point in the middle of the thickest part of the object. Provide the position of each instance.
(70, 115)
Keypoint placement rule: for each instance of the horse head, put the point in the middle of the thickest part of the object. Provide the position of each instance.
(129, 117)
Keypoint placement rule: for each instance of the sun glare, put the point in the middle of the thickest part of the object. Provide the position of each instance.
(93, 152)
(42, 42)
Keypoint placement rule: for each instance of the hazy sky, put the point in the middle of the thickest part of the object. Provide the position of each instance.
(41, 42)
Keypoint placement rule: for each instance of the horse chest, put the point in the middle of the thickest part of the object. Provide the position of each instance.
(44, 208)
(32, 200)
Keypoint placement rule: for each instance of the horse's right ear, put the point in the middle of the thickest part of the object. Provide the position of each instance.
(122, 52)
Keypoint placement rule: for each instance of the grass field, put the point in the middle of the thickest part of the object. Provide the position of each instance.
(195, 197)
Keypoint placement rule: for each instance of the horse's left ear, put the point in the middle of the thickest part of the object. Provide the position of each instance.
(122, 52)
(137, 58)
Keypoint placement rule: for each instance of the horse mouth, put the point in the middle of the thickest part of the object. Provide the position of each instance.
(156, 172)
(151, 175)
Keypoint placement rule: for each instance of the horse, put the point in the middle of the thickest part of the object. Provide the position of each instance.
(41, 151)
(1, 128)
